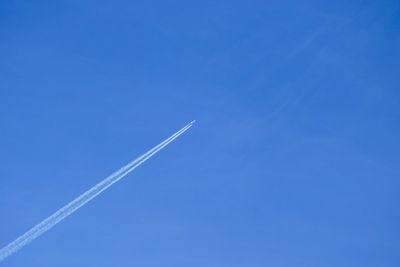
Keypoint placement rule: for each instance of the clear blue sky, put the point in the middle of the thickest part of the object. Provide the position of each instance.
(294, 160)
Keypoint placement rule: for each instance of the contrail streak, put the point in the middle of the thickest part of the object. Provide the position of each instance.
(84, 198)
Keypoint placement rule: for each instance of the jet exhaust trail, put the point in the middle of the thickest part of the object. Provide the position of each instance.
(84, 198)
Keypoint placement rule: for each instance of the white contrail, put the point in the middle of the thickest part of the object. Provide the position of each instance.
(81, 200)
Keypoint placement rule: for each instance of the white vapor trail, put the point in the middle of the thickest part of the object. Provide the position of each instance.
(84, 198)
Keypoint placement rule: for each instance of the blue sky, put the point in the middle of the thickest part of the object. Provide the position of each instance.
(293, 161)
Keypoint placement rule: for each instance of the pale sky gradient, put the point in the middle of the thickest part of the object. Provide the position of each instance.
(293, 161)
